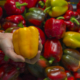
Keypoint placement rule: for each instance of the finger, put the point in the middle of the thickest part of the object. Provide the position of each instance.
(40, 46)
(34, 60)
(11, 54)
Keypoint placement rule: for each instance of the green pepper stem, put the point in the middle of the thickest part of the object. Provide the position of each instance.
(61, 17)
(74, 20)
(41, 3)
(51, 60)
(18, 5)
(6, 58)
(47, 9)
(20, 25)
(46, 79)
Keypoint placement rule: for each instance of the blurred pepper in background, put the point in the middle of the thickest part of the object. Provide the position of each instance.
(13, 21)
(71, 39)
(55, 73)
(35, 16)
(54, 28)
(71, 59)
(31, 3)
(1, 12)
(53, 50)
(14, 7)
(56, 8)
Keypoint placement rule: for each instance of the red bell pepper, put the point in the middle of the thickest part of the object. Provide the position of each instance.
(31, 3)
(70, 7)
(78, 5)
(2, 70)
(14, 7)
(70, 19)
(13, 21)
(69, 75)
(53, 50)
(42, 35)
(55, 73)
(41, 4)
(10, 73)
(1, 12)
(54, 28)
(77, 75)
(78, 8)
(17, 64)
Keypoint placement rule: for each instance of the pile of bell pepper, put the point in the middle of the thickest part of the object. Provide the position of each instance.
(58, 26)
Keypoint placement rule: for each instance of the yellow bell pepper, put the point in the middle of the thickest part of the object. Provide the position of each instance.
(26, 41)
(72, 39)
(56, 8)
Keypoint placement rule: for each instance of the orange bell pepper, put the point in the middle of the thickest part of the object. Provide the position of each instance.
(26, 41)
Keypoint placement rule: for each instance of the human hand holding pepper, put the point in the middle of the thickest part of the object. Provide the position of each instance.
(7, 47)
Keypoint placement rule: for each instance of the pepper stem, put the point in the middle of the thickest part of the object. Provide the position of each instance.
(51, 60)
(46, 79)
(74, 20)
(6, 58)
(61, 17)
(41, 3)
(47, 9)
(20, 25)
(18, 5)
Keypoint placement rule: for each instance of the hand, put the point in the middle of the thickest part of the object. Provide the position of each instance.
(6, 46)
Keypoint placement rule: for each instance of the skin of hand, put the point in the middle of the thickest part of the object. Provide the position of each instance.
(6, 46)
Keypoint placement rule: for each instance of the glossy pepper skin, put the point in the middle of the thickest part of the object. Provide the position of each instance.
(72, 23)
(72, 39)
(77, 75)
(1, 12)
(14, 7)
(54, 28)
(69, 75)
(37, 69)
(70, 20)
(53, 49)
(10, 73)
(55, 73)
(35, 16)
(70, 7)
(31, 3)
(56, 8)
(71, 59)
(13, 21)
(42, 35)
(27, 37)
(78, 8)
(2, 70)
